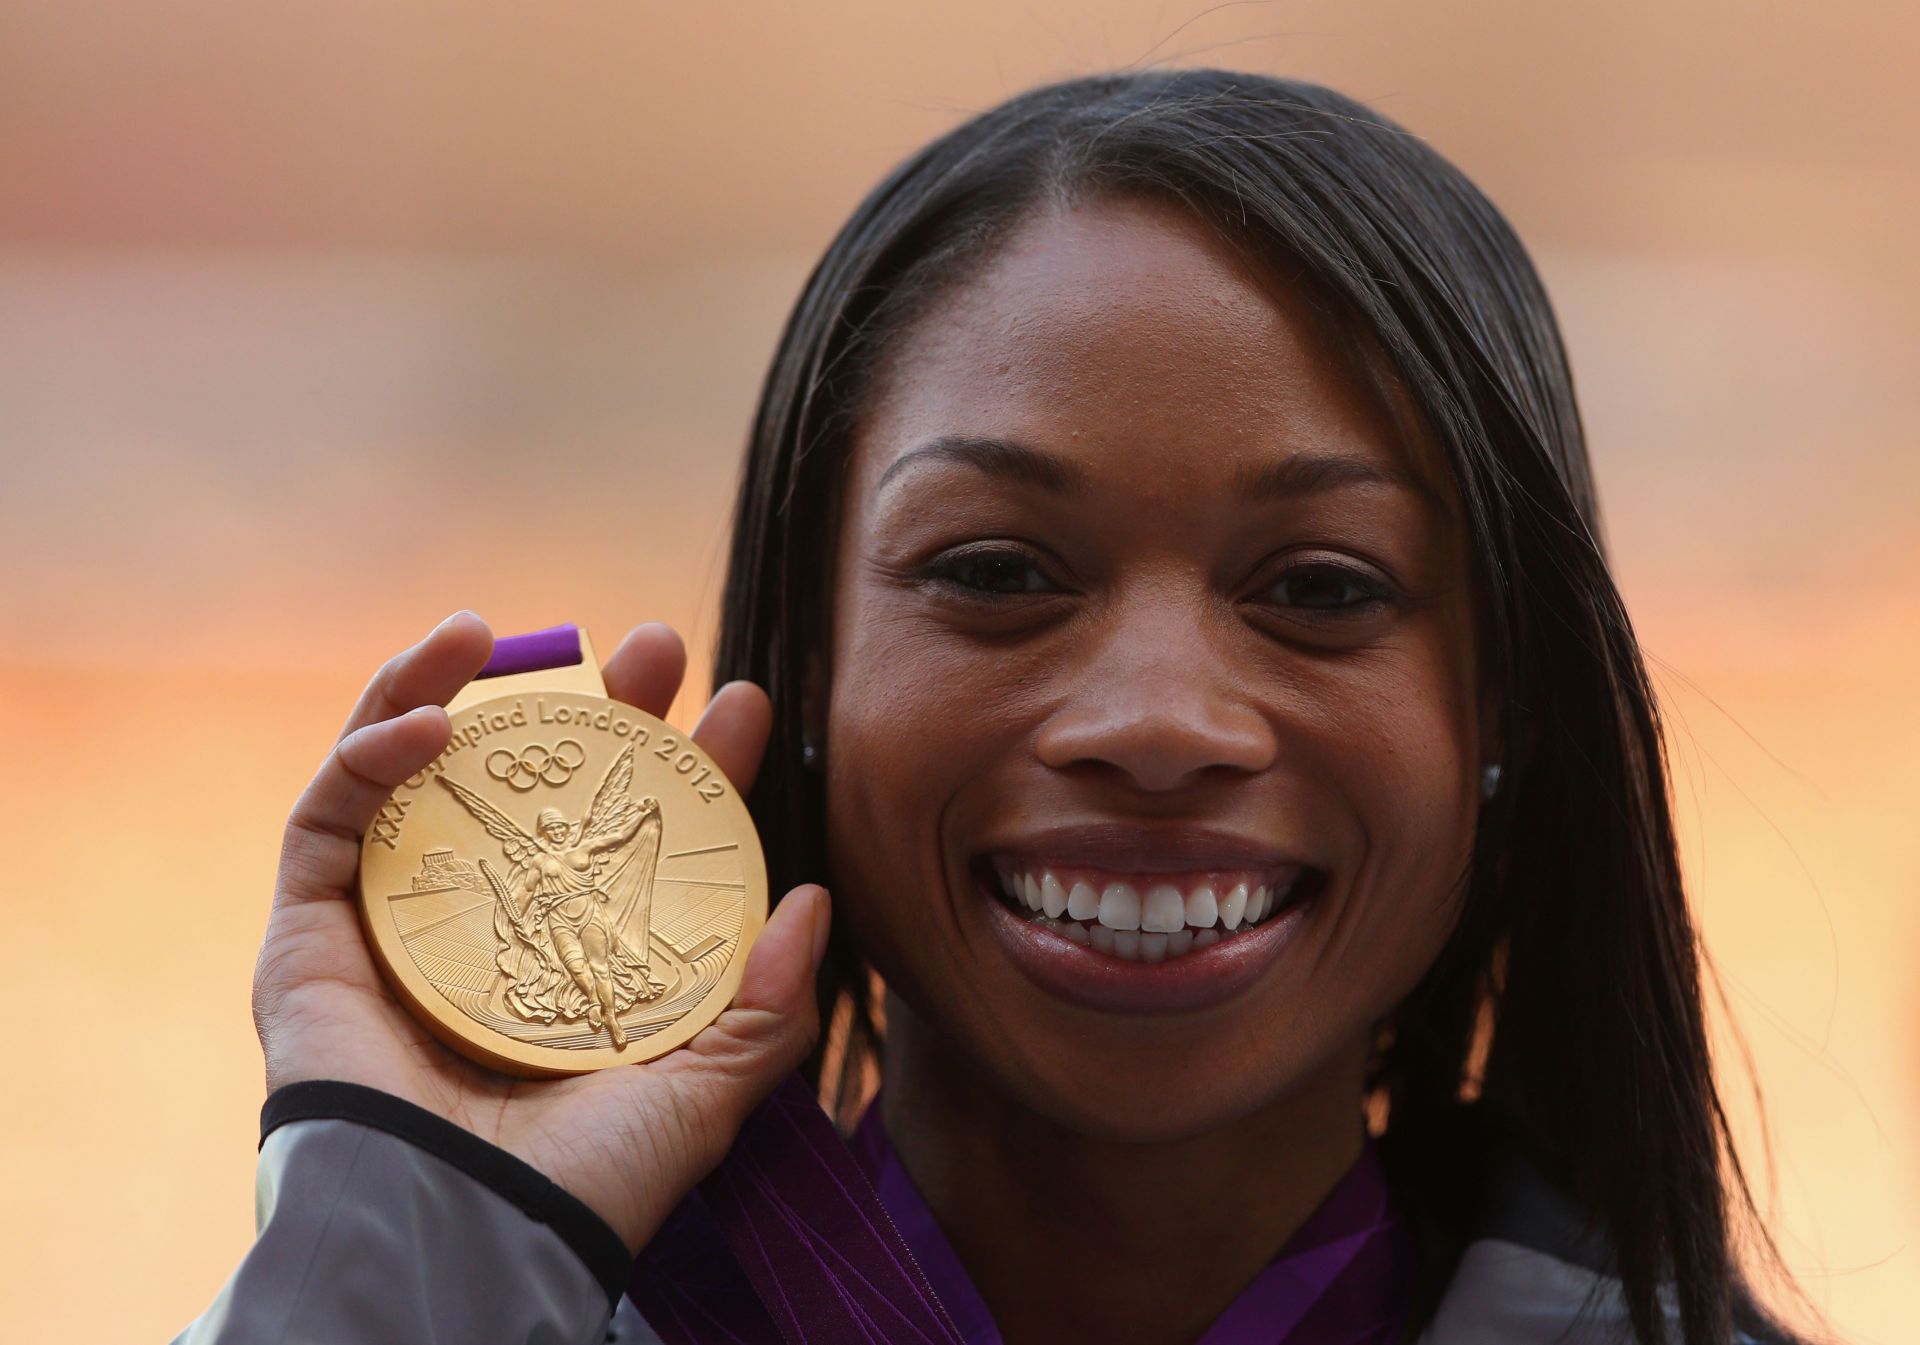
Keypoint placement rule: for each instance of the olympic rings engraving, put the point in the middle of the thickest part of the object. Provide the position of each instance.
(536, 764)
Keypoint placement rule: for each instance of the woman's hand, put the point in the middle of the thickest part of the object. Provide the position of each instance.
(629, 1141)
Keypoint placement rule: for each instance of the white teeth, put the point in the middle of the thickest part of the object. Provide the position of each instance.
(1121, 921)
(1163, 911)
(1053, 897)
(1202, 910)
(1083, 903)
(1120, 907)
(1233, 906)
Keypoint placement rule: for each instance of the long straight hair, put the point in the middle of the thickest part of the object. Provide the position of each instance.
(1564, 1016)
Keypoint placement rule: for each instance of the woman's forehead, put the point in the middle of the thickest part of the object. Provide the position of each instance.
(1115, 328)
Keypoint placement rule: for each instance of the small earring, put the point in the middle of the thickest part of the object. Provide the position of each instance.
(809, 754)
(1490, 781)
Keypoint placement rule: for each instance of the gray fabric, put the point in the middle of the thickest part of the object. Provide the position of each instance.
(1517, 1296)
(363, 1237)
(629, 1327)
(1506, 1294)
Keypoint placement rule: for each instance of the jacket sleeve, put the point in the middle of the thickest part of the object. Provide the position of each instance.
(379, 1221)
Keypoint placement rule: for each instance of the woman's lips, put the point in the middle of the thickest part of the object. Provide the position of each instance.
(1151, 942)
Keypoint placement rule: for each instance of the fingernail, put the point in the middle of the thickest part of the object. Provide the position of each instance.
(822, 925)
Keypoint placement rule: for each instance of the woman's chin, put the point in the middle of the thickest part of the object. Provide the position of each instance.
(1137, 1115)
(1161, 1085)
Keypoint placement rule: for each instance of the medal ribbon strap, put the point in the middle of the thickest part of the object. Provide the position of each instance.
(554, 647)
(808, 1230)
(803, 1223)
(786, 1243)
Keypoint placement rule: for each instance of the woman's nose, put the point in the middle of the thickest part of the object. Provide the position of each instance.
(1160, 707)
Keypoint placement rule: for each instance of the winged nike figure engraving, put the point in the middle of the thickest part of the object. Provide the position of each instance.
(573, 909)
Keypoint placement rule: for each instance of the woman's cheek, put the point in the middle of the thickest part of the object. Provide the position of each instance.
(891, 740)
(1416, 815)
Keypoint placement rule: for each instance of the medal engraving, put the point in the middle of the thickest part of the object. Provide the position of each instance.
(571, 884)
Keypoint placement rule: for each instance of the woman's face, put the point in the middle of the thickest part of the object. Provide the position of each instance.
(1149, 606)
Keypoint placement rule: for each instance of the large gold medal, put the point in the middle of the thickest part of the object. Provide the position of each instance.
(572, 884)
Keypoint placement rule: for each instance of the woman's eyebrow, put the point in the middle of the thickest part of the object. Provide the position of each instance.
(1310, 473)
(1006, 458)
(1295, 475)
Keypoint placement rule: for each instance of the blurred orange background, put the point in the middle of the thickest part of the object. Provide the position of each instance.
(319, 322)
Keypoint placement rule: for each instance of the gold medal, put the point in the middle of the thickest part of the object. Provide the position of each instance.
(572, 884)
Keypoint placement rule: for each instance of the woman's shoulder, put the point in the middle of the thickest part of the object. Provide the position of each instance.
(1534, 1270)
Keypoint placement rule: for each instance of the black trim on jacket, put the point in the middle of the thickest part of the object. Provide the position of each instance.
(521, 1184)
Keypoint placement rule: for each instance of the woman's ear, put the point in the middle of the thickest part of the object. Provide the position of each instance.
(813, 710)
(1494, 742)
(1493, 731)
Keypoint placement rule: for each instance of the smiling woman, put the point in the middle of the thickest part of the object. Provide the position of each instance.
(1208, 493)
(1236, 672)
(1167, 586)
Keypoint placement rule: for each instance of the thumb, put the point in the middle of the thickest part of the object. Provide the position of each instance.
(773, 1020)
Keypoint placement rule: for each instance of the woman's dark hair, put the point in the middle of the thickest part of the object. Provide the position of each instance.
(1564, 1016)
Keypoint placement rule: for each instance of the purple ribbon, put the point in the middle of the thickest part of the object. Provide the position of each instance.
(809, 1239)
(793, 1239)
(554, 647)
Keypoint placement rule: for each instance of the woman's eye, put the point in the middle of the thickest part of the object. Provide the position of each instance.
(990, 572)
(1331, 589)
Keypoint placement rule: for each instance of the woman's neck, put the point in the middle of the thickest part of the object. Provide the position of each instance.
(1070, 1238)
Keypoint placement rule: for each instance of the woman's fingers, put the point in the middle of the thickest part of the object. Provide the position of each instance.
(646, 669)
(772, 1023)
(321, 848)
(396, 729)
(733, 731)
(427, 674)
(646, 672)
(778, 977)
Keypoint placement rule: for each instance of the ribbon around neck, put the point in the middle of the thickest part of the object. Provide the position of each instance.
(815, 1256)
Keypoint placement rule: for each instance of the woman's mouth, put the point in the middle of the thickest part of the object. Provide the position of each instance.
(1145, 917)
(1150, 939)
